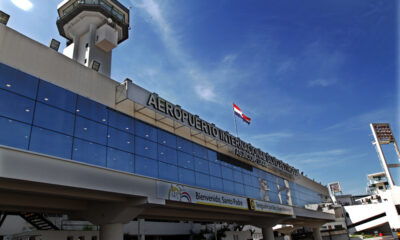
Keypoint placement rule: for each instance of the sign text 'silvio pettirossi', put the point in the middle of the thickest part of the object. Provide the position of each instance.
(262, 206)
(242, 149)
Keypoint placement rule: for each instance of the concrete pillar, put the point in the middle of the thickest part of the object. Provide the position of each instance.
(76, 47)
(268, 233)
(287, 237)
(316, 233)
(141, 230)
(113, 231)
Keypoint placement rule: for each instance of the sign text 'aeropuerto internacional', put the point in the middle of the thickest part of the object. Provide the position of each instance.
(242, 149)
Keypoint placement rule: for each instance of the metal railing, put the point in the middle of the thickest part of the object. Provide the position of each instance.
(102, 3)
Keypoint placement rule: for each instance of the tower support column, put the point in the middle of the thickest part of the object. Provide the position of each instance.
(268, 233)
(113, 231)
(316, 233)
(76, 48)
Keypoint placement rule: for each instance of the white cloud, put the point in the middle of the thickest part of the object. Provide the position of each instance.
(328, 156)
(200, 79)
(25, 5)
(230, 58)
(363, 120)
(272, 136)
(285, 66)
(321, 82)
(206, 92)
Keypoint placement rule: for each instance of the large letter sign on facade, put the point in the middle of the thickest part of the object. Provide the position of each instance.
(241, 148)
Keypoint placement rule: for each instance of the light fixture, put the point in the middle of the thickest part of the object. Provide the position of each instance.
(54, 44)
(95, 65)
(4, 18)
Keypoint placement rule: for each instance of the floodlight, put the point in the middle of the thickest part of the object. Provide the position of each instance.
(54, 44)
(95, 65)
(4, 18)
(383, 133)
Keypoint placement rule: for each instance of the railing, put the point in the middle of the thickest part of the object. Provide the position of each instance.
(102, 3)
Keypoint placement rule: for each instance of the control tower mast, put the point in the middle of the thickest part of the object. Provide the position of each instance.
(93, 28)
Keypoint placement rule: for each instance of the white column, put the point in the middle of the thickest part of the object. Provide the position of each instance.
(113, 231)
(141, 229)
(316, 233)
(268, 233)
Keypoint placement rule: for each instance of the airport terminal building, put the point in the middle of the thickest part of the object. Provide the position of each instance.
(73, 141)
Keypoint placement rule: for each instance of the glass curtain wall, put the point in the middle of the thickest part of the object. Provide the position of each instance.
(38, 116)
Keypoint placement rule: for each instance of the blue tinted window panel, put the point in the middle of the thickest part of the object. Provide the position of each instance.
(239, 188)
(229, 186)
(50, 143)
(255, 172)
(273, 197)
(90, 130)
(215, 169)
(88, 152)
(167, 171)
(14, 133)
(18, 82)
(120, 160)
(54, 119)
(187, 176)
(16, 107)
(246, 171)
(216, 183)
(284, 197)
(202, 180)
(237, 176)
(270, 177)
(247, 179)
(252, 192)
(165, 138)
(145, 148)
(212, 155)
(56, 96)
(145, 166)
(185, 160)
(216, 161)
(121, 121)
(167, 155)
(272, 186)
(281, 182)
(121, 140)
(255, 182)
(227, 173)
(201, 165)
(225, 164)
(146, 131)
(92, 110)
(184, 145)
(199, 151)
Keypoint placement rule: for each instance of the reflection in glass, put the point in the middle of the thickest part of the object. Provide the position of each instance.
(16, 107)
(51, 143)
(88, 152)
(120, 160)
(14, 133)
(146, 166)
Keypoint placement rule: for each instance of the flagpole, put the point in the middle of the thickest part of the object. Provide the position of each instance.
(234, 119)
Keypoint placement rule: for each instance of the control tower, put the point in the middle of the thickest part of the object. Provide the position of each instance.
(93, 29)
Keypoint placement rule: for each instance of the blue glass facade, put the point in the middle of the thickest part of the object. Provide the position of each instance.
(38, 116)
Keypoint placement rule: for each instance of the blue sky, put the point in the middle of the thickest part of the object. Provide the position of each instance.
(311, 74)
